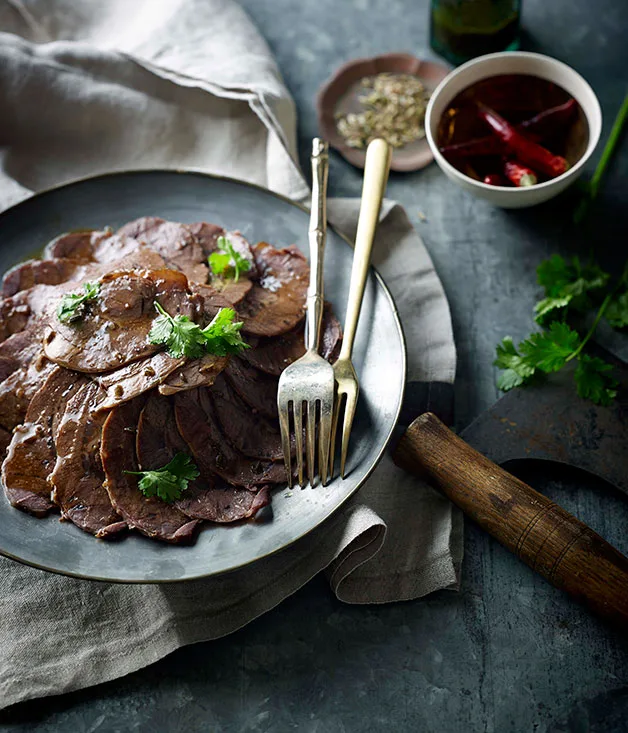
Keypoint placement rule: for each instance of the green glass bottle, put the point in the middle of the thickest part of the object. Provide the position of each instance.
(463, 29)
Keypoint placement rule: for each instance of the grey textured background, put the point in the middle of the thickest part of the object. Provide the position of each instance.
(508, 653)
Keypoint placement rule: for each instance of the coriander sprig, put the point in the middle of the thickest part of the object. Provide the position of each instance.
(568, 287)
(183, 337)
(227, 262)
(72, 305)
(169, 482)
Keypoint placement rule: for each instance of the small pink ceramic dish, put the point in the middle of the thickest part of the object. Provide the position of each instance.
(339, 96)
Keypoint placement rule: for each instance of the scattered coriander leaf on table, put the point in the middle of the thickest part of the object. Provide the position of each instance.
(516, 369)
(593, 380)
(169, 482)
(72, 305)
(550, 350)
(227, 262)
(617, 311)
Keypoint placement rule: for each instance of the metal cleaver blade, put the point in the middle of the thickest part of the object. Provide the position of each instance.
(549, 421)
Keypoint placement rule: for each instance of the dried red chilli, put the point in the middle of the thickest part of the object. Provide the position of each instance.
(526, 150)
(494, 179)
(535, 128)
(519, 174)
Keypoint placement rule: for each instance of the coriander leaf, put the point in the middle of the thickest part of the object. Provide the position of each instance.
(227, 261)
(553, 274)
(222, 336)
(617, 311)
(550, 305)
(169, 482)
(550, 350)
(566, 285)
(516, 368)
(593, 381)
(181, 336)
(72, 305)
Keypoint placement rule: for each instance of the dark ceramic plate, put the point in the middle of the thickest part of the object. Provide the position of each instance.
(379, 356)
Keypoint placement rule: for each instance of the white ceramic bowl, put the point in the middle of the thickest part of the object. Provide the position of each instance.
(514, 62)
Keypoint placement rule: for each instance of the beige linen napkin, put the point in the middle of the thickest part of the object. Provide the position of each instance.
(95, 86)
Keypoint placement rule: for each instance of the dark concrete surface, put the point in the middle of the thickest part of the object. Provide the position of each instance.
(507, 653)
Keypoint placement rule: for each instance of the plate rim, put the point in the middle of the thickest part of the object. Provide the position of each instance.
(395, 313)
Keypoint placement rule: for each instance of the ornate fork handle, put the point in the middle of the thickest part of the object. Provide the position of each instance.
(317, 237)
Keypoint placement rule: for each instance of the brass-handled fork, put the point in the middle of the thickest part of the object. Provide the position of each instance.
(376, 170)
(307, 386)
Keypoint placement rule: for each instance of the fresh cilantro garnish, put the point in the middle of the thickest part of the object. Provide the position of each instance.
(180, 334)
(566, 285)
(72, 305)
(183, 337)
(227, 262)
(169, 482)
(222, 336)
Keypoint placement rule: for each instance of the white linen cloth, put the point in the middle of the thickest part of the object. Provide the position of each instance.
(99, 86)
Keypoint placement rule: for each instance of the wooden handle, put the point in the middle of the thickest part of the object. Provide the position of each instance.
(376, 168)
(547, 538)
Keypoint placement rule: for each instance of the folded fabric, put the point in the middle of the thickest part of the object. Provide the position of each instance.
(93, 87)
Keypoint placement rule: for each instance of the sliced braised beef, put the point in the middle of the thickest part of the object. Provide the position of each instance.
(136, 378)
(40, 272)
(224, 294)
(257, 389)
(78, 245)
(114, 332)
(16, 352)
(159, 440)
(31, 454)
(249, 432)
(214, 455)
(77, 479)
(173, 241)
(17, 390)
(276, 304)
(195, 373)
(273, 355)
(150, 515)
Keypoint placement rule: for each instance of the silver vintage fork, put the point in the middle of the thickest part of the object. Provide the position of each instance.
(376, 167)
(306, 388)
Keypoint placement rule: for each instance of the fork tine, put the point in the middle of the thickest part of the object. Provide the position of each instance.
(298, 435)
(310, 440)
(284, 425)
(350, 405)
(324, 440)
(334, 430)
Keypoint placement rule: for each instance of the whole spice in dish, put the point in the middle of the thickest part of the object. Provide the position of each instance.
(493, 179)
(536, 128)
(519, 174)
(526, 150)
(393, 108)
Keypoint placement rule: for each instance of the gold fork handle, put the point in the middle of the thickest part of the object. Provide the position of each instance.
(376, 169)
(317, 237)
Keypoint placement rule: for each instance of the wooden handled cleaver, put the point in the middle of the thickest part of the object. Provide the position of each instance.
(549, 422)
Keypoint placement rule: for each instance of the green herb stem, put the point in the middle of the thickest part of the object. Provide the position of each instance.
(591, 331)
(609, 148)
